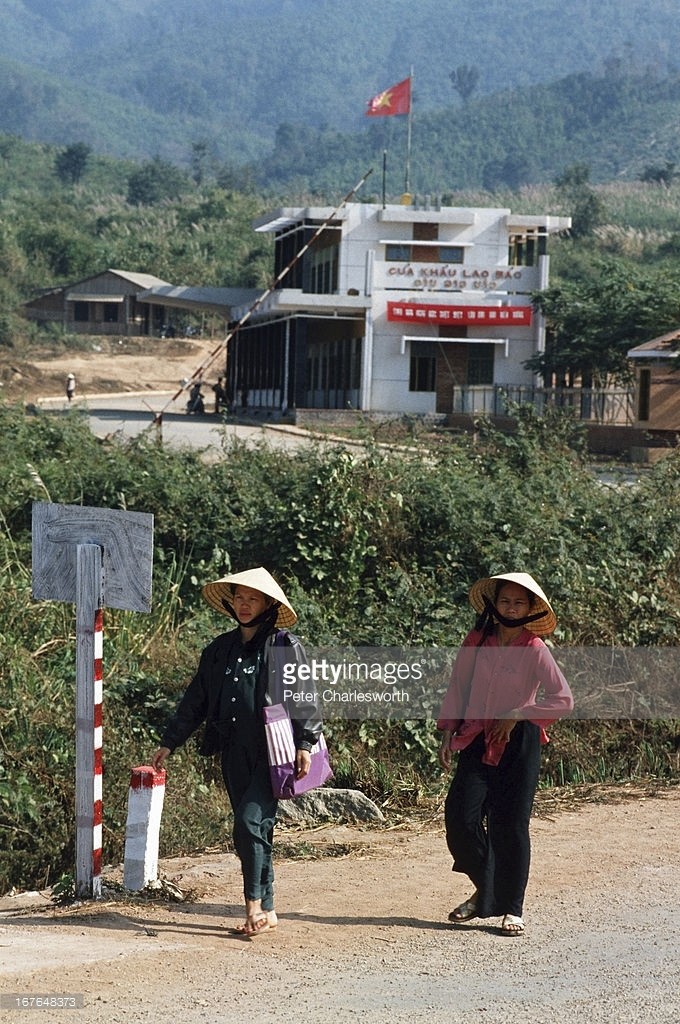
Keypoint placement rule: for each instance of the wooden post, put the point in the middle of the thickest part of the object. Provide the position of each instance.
(88, 720)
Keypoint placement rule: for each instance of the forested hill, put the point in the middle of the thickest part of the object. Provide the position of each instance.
(139, 78)
(619, 125)
(622, 125)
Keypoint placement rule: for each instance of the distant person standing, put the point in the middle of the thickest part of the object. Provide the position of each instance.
(70, 387)
(221, 398)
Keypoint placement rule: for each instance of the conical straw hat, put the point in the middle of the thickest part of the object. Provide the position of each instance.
(486, 587)
(221, 592)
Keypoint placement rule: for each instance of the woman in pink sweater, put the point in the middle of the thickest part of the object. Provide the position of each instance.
(505, 689)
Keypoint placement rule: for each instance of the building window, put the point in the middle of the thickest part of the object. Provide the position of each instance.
(480, 364)
(81, 312)
(644, 394)
(524, 249)
(317, 271)
(320, 276)
(422, 373)
(334, 372)
(450, 253)
(323, 271)
(110, 313)
(424, 233)
(406, 252)
(422, 366)
(398, 252)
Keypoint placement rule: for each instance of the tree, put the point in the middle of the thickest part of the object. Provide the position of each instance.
(586, 208)
(593, 322)
(70, 164)
(59, 246)
(661, 175)
(202, 160)
(465, 79)
(573, 177)
(514, 170)
(155, 180)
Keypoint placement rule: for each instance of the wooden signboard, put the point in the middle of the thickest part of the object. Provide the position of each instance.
(124, 538)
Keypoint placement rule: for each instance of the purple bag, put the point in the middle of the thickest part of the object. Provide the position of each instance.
(281, 753)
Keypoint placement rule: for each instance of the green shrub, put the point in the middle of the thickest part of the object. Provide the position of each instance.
(376, 549)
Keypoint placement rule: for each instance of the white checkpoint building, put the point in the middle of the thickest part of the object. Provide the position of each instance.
(394, 308)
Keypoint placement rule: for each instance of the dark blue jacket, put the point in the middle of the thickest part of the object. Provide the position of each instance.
(200, 704)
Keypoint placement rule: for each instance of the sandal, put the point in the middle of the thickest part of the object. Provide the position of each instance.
(257, 925)
(254, 926)
(512, 925)
(465, 912)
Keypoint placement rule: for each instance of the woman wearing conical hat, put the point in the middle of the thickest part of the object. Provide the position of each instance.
(505, 689)
(227, 693)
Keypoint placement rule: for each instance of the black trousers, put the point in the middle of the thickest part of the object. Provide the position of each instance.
(245, 771)
(487, 815)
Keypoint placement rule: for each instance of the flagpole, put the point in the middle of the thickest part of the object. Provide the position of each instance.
(407, 181)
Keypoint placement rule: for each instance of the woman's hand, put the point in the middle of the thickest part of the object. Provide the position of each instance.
(445, 750)
(303, 761)
(158, 759)
(500, 729)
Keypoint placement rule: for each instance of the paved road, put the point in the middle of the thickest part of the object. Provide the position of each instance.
(128, 415)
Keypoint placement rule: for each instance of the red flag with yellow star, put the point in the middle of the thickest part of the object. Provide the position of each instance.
(395, 100)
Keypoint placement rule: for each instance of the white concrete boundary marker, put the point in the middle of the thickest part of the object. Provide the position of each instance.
(145, 806)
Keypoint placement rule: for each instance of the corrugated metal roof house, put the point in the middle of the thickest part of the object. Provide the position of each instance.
(106, 303)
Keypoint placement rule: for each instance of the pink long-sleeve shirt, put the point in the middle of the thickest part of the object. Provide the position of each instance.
(489, 682)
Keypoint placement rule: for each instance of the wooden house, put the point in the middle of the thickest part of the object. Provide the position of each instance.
(657, 375)
(107, 303)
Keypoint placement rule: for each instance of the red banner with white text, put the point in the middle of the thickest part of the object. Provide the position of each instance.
(483, 316)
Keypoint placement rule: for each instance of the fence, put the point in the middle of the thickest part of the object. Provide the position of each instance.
(607, 406)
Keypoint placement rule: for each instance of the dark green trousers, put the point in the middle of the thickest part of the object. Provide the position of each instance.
(246, 776)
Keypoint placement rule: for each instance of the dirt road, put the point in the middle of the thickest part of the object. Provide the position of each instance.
(363, 936)
(148, 364)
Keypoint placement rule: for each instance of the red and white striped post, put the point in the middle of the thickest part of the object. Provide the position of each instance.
(89, 720)
(97, 814)
(95, 557)
(142, 834)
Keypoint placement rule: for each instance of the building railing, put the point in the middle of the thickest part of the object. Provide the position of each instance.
(607, 406)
